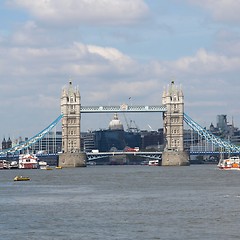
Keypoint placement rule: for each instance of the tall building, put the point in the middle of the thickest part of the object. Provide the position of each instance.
(222, 122)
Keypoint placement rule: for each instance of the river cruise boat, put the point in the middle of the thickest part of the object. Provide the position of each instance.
(153, 163)
(28, 161)
(231, 163)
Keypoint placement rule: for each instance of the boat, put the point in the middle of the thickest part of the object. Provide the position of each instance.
(153, 163)
(4, 164)
(48, 168)
(28, 161)
(91, 163)
(21, 178)
(13, 164)
(58, 167)
(42, 165)
(231, 163)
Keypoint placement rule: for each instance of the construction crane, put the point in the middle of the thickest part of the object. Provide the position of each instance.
(130, 127)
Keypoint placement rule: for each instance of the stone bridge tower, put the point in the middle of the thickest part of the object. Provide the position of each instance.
(71, 155)
(174, 154)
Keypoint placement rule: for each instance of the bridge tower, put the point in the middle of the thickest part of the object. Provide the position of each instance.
(71, 155)
(174, 154)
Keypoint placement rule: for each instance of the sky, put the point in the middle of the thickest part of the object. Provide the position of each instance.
(117, 51)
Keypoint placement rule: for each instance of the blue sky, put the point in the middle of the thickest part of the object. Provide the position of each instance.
(113, 50)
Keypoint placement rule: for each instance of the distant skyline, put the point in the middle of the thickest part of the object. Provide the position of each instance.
(117, 52)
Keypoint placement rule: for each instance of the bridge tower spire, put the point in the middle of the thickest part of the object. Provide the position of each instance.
(71, 155)
(174, 154)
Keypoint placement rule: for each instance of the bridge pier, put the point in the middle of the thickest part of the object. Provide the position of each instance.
(67, 160)
(174, 153)
(175, 158)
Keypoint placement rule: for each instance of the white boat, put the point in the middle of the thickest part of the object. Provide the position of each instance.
(4, 164)
(42, 165)
(28, 161)
(14, 164)
(153, 163)
(231, 163)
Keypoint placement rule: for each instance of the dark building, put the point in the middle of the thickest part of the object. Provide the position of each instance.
(115, 138)
(152, 140)
(6, 144)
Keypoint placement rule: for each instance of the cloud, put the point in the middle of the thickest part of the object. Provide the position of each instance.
(222, 10)
(204, 62)
(76, 12)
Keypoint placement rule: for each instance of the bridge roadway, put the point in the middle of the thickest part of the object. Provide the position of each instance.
(150, 155)
(153, 155)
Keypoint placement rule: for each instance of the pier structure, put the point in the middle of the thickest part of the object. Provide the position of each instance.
(173, 119)
(71, 155)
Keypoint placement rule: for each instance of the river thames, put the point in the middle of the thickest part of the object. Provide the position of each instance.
(121, 202)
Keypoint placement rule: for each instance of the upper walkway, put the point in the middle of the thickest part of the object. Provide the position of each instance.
(123, 108)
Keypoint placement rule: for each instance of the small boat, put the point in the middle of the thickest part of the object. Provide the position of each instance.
(48, 168)
(231, 163)
(4, 164)
(153, 163)
(14, 165)
(58, 167)
(42, 165)
(21, 178)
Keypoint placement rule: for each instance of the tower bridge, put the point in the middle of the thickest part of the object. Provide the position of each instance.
(173, 115)
(172, 110)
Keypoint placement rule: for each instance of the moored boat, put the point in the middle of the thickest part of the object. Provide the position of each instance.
(153, 163)
(4, 164)
(21, 178)
(231, 163)
(28, 161)
(42, 165)
(13, 164)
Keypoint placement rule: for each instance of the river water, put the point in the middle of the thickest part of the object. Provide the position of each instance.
(121, 202)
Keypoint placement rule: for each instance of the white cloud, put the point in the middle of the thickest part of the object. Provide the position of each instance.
(221, 10)
(75, 12)
(206, 63)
